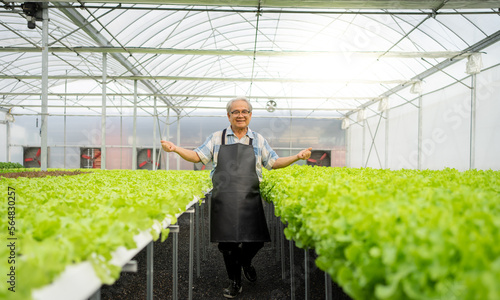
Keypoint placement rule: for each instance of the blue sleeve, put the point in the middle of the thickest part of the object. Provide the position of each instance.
(269, 156)
(205, 151)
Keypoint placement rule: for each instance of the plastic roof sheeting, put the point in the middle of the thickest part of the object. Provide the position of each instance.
(329, 63)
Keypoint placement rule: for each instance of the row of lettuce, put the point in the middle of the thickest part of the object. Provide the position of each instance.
(10, 165)
(404, 234)
(63, 220)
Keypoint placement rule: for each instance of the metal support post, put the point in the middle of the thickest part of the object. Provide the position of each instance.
(328, 287)
(178, 141)
(134, 132)
(282, 245)
(191, 250)
(306, 271)
(167, 155)
(387, 139)
(103, 111)
(64, 126)
(174, 229)
(204, 240)
(45, 87)
(271, 225)
(209, 217)
(121, 135)
(363, 145)
(197, 208)
(277, 235)
(155, 123)
(348, 146)
(7, 137)
(472, 153)
(292, 270)
(150, 263)
(419, 162)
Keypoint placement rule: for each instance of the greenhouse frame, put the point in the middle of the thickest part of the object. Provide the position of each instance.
(373, 86)
(411, 83)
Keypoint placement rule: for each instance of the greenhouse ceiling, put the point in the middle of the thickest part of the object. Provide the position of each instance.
(316, 59)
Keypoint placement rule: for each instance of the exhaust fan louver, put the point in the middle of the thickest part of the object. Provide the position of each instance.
(90, 158)
(31, 157)
(145, 159)
(320, 158)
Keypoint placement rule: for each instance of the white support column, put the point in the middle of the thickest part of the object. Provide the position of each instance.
(178, 141)
(7, 144)
(290, 145)
(121, 135)
(103, 111)
(64, 130)
(419, 163)
(167, 165)
(472, 163)
(363, 163)
(45, 86)
(387, 139)
(155, 123)
(134, 135)
(348, 146)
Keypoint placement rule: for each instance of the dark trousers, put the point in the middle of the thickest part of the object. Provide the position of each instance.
(237, 255)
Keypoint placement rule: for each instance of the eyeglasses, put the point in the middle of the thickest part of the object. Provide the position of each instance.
(243, 113)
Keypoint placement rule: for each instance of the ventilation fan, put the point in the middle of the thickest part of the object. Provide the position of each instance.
(320, 158)
(31, 158)
(90, 158)
(271, 105)
(145, 159)
(200, 166)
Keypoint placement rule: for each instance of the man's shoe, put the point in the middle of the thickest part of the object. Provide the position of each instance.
(250, 273)
(233, 290)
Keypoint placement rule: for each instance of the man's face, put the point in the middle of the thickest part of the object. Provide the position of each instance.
(239, 120)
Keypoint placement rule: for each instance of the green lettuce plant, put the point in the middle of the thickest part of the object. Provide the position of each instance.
(404, 234)
(66, 220)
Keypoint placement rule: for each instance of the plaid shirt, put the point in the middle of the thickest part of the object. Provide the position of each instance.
(264, 154)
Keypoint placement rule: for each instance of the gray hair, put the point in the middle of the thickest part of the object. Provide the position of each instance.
(230, 103)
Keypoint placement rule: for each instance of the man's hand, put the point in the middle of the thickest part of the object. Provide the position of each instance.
(286, 161)
(168, 146)
(186, 154)
(304, 154)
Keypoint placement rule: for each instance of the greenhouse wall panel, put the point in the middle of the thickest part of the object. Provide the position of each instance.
(118, 158)
(25, 131)
(375, 142)
(16, 154)
(488, 120)
(56, 158)
(72, 158)
(446, 128)
(355, 146)
(403, 138)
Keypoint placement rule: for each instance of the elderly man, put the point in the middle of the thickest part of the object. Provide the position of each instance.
(237, 217)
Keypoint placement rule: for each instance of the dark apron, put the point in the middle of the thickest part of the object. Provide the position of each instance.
(236, 212)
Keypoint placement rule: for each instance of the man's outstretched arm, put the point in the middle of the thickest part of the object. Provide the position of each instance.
(186, 154)
(288, 160)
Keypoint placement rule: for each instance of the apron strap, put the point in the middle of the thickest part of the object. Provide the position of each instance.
(223, 142)
(223, 138)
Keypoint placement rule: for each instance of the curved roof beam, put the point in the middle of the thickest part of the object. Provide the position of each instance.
(231, 79)
(263, 53)
(351, 4)
(81, 22)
